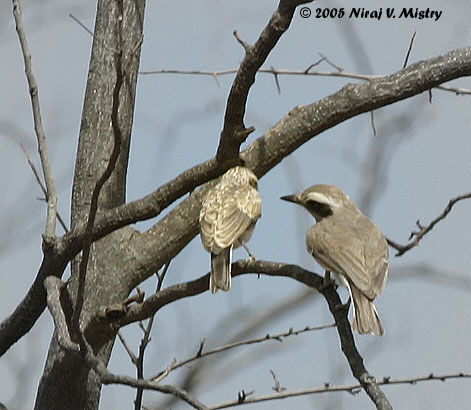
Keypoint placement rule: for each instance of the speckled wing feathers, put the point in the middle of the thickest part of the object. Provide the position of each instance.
(227, 214)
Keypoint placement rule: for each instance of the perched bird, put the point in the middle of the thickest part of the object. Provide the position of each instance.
(348, 244)
(227, 220)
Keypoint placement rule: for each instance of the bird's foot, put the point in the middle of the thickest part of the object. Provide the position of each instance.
(343, 306)
(327, 282)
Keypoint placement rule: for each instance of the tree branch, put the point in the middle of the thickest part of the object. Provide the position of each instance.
(40, 183)
(298, 127)
(351, 388)
(51, 195)
(234, 132)
(424, 230)
(54, 287)
(306, 72)
(173, 293)
(200, 354)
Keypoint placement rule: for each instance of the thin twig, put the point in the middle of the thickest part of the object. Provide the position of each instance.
(81, 24)
(51, 194)
(127, 347)
(352, 389)
(426, 229)
(278, 337)
(306, 72)
(107, 377)
(40, 183)
(277, 387)
(145, 341)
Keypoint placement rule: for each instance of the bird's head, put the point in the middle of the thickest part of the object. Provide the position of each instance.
(241, 175)
(322, 200)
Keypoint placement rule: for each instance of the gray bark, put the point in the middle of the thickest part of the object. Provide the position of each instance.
(67, 381)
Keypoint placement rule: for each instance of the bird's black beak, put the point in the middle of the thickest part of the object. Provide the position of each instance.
(290, 198)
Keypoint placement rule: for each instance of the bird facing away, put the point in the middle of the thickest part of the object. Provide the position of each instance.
(227, 220)
(347, 243)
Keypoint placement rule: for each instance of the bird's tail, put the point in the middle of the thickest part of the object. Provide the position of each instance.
(365, 316)
(220, 277)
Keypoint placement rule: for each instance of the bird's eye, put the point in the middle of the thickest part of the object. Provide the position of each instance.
(253, 183)
(318, 208)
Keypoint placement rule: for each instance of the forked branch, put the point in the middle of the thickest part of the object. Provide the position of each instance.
(424, 230)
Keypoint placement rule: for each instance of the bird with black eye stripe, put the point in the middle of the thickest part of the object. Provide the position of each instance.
(348, 244)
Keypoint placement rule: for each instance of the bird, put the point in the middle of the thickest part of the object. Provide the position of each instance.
(347, 243)
(227, 219)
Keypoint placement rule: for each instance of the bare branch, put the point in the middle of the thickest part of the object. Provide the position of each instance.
(234, 132)
(127, 347)
(200, 354)
(299, 126)
(305, 72)
(54, 286)
(352, 389)
(145, 341)
(277, 387)
(81, 24)
(423, 230)
(108, 378)
(51, 195)
(40, 183)
(310, 279)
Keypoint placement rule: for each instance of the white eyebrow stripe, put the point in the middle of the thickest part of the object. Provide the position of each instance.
(321, 198)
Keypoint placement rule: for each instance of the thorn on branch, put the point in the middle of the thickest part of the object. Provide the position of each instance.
(338, 68)
(277, 82)
(277, 387)
(409, 50)
(242, 395)
(200, 349)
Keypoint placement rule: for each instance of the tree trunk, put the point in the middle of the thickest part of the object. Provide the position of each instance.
(67, 382)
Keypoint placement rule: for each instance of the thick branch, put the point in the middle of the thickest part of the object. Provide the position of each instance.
(108, 378)
(54, 287)
(234, 132)
(298, 127)
(173, 293)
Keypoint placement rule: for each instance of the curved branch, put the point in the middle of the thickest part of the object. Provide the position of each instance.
(182, 290)
(298, 127)
(424, 230)
(234, 132)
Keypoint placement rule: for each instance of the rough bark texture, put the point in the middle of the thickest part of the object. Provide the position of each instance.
(67, 382)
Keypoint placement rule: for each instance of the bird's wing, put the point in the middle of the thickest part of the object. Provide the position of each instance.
(354, 248)
(226, 214)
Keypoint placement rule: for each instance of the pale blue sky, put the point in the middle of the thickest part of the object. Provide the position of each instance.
(177, 123)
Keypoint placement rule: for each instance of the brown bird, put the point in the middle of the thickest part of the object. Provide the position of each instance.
(227, 220)
(347, 243)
